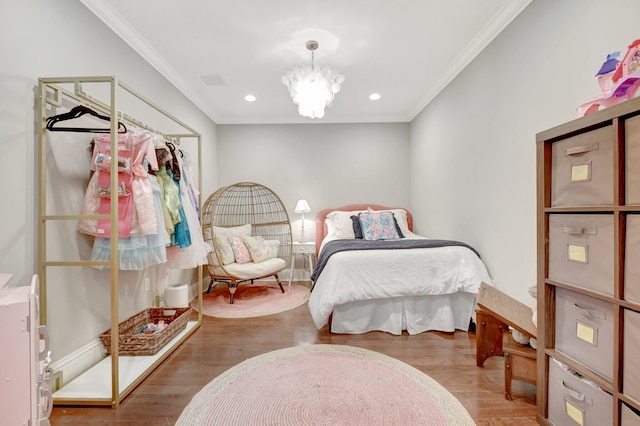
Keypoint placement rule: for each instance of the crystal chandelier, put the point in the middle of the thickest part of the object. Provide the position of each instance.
(312, 88)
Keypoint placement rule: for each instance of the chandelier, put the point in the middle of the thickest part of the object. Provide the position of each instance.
(312, 88)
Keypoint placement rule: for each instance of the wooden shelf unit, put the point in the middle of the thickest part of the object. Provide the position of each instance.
(619, 128)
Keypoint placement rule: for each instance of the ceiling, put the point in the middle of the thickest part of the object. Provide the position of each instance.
(405, 50)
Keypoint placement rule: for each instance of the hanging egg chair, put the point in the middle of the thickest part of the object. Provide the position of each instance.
(249, 229)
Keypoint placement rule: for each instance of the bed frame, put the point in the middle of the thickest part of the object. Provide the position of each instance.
(321, 227)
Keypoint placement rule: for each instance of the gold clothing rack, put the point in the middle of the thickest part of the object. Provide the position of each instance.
(51, 93)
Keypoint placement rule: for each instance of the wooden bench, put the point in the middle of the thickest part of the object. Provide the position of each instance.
(519, 363)
(497, 312)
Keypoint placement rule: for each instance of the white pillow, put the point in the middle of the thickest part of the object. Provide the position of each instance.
(274, 244)
(340, 225)
(233, 231)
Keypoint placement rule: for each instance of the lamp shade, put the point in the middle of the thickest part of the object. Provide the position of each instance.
(302, 206)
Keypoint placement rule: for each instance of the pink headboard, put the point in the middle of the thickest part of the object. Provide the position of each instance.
(321, 227)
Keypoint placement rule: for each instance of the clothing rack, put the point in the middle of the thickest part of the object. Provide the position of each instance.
(52, 92)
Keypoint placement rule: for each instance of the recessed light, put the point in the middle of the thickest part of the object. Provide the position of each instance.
(374, 96)
(250, 98)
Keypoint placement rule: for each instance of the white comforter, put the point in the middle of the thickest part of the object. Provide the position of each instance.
(381, 274)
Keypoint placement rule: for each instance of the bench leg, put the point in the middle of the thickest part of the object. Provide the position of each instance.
(489, 331)
(508, 376)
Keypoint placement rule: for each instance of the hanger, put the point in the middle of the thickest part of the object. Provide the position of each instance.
(172, 163)
(76, 112)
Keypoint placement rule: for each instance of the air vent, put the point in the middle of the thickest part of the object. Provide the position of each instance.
(211, 79)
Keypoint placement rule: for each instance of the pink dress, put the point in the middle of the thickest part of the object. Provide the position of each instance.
(136, 211)
(144, 239)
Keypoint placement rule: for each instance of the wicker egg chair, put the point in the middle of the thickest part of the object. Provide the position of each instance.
(241, 204)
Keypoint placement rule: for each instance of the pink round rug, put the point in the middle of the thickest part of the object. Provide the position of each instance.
(324, 385)
(252, 300)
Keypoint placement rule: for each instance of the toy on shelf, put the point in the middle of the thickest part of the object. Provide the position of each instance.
(618, 81)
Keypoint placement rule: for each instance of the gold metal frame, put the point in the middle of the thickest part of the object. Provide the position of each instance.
(50, 92)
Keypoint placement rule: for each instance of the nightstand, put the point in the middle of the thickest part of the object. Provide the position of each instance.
(305, 249)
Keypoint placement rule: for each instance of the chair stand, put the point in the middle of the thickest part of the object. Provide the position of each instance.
(233, 285)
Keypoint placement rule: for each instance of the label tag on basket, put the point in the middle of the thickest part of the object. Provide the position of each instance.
(577, 253)
(586, 332)
(581, 172)
(576, 413)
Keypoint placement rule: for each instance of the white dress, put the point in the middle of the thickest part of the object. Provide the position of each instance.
(196, 253)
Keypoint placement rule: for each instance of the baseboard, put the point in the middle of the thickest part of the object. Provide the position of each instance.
(71, 366)
(76, 363)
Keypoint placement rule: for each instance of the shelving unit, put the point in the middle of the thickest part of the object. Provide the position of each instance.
(115, 376)
(588, 221)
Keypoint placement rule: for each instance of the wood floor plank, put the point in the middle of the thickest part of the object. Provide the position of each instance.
(219, 344)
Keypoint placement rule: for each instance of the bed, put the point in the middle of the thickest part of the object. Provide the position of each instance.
(391, 289)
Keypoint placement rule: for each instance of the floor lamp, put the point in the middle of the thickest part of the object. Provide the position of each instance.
(302, 207)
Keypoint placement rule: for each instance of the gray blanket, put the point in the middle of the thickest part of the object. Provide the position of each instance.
(336, 246)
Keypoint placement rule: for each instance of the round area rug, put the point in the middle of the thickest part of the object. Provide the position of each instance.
(252, 300)
(324, 385)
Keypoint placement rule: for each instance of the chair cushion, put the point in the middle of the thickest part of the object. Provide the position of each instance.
(246, 271)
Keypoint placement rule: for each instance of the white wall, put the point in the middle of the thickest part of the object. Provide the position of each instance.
(473, 149)
(40, 38)
(465, 165)
(329, 165)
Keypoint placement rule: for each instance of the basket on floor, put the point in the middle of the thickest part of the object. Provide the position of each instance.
(132, 342)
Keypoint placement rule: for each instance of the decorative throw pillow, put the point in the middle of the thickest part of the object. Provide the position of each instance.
(378, 226)
(275, 246)
(357, 228)
(395, 223)
(225, 250)
(401, 217)
(240, 251)
(259, 249)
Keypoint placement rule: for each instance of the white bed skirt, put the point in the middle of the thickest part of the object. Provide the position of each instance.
(416, 314)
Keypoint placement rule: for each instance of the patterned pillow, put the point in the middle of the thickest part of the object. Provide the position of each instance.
(240, 251)
(378, 226)
(357, 228)
(225, 250)
(259, 249)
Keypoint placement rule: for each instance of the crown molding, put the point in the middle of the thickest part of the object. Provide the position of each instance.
(490, 31)
(129, 35)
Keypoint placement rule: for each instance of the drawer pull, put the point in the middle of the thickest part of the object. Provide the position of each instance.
(574, 394)
(577, 230)
(581, 149)
(590, 313)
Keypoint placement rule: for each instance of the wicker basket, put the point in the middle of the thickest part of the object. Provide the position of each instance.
(131, 342)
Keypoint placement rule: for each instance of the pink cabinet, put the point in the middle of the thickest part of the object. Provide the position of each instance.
(25, 398)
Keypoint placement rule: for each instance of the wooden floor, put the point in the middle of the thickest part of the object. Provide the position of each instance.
(220, 344)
